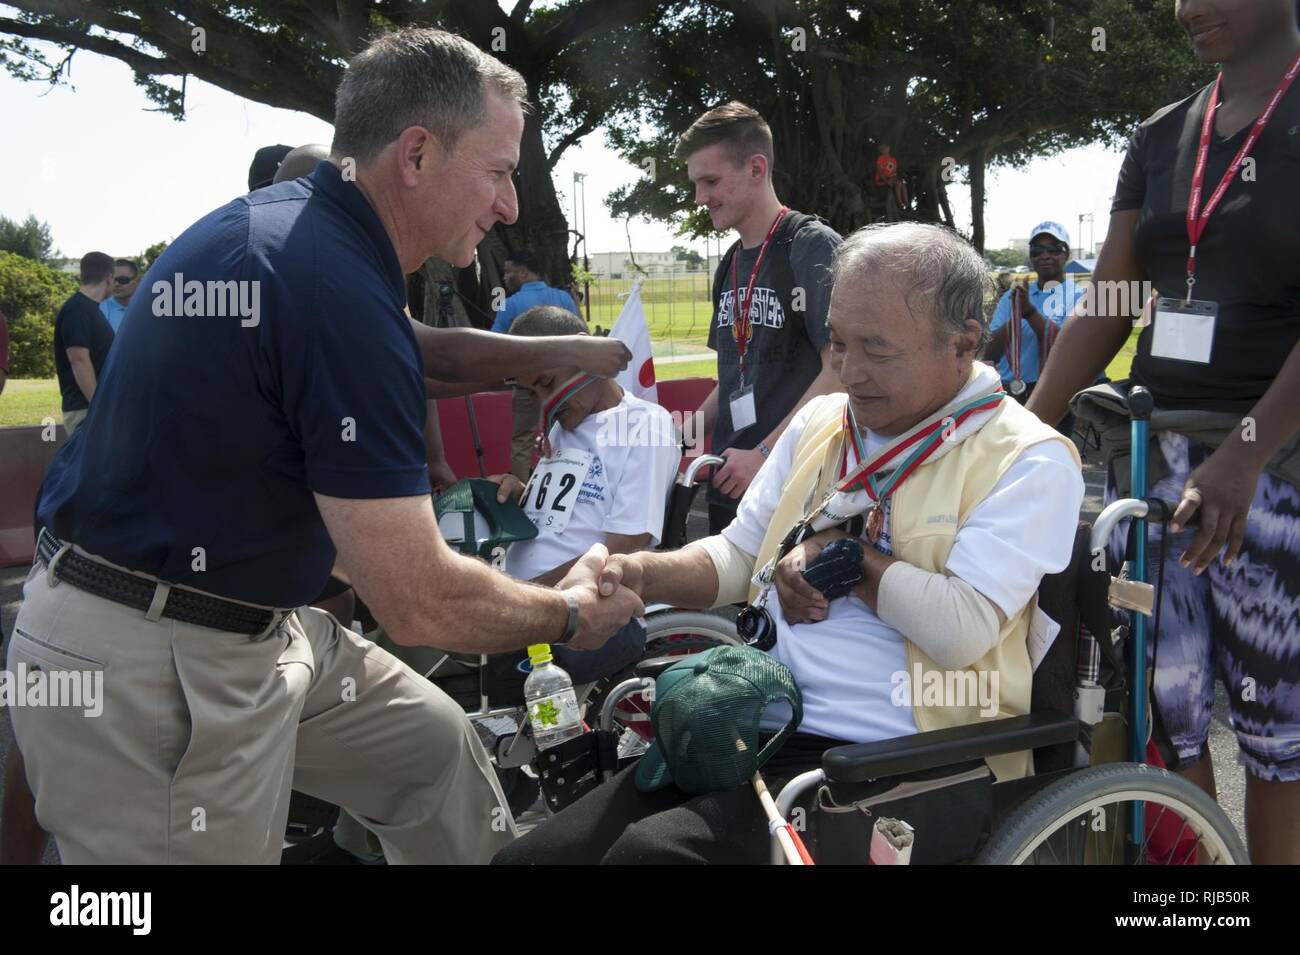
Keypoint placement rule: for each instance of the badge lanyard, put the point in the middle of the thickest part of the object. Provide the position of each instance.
(1014, 332)
(741, 326)
(1197, 219)
(551, 410)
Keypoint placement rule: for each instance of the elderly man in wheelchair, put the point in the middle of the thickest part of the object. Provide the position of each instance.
(893, 551)
(891, 554)
(890, 549)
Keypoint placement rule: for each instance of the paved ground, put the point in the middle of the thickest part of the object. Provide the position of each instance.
(1222, 743)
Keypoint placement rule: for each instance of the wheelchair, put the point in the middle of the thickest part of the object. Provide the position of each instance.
(1093, 799)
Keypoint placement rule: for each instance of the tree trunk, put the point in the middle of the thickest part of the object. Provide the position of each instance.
(977, 164)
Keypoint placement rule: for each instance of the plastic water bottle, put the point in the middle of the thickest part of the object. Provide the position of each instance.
(552, 704)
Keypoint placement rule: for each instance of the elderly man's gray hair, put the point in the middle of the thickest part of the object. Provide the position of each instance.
(416, 77)
(942, 273)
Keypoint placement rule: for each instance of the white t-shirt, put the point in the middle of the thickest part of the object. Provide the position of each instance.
(846, 665)
(610, 475)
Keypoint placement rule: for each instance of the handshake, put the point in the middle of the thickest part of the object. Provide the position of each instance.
(608, 591)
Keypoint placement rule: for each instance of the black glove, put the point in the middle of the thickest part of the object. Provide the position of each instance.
(837, 569)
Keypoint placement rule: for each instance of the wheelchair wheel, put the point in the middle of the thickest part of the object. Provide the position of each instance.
(1083, 819)
(670, 631)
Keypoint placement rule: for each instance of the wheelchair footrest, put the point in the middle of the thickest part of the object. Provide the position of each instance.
(575, 767)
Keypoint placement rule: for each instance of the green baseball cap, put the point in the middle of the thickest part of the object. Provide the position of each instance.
(705, 718)
(474, 522)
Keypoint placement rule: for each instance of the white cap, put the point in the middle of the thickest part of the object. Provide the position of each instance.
(1051, 228)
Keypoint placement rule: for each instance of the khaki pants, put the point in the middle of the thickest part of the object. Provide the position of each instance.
(202, 734)
(72, 420)
(526, 415)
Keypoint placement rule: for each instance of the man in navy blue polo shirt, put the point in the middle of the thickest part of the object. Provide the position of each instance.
(261, 416)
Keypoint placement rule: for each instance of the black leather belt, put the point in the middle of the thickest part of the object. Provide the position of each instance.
(139, 592)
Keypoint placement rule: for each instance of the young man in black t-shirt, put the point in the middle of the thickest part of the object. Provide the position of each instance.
(82, 337)
(785, 256)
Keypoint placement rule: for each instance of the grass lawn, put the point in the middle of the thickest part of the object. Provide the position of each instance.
(29, 401)
(705, 368)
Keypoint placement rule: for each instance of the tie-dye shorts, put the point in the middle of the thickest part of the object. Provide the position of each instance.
(1240, 622)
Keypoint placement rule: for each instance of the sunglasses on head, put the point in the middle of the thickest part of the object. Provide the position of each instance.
(1056, 249)
(123, 279)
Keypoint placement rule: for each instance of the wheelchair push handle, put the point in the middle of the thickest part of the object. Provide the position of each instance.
(1140, 403)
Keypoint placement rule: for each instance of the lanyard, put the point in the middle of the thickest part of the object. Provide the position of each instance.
(1196, 218)
(922, 445)
(741, 326)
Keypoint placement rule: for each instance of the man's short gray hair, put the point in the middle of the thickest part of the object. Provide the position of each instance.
(939, 269)
(417, 77)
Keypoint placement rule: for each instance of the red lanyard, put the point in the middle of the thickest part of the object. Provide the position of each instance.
(1196, 218)
(1013, 335)
(741, 327)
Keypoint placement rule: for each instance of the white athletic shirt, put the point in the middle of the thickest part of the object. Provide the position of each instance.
(845, 665)
(624, 489)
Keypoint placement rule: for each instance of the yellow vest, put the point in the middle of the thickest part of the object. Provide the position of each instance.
(927, 511)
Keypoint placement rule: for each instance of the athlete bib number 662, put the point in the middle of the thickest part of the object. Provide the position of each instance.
(553, 490)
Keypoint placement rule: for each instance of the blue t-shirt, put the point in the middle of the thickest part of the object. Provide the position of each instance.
(212, 430)
(1055, 305)
(530, 294)
(113, 311)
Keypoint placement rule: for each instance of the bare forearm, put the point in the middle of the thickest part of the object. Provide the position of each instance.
(874, 565)
(434, 389)
(469, 355)
(1084, 348)
(84, 373)
(683, 578)
(468, 607)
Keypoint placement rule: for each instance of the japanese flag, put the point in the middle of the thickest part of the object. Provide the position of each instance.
(639, 376)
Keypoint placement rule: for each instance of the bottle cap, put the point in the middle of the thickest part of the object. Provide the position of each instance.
(539, 653)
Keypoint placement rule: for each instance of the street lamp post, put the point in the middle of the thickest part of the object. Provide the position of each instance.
(579, 183)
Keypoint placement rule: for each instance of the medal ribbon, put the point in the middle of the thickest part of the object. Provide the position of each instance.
(551, 410)
(922, 444)
(741, 326)
(1014, 332)
(1196, 218)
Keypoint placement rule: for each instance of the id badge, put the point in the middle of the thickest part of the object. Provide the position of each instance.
(1184, 331)
(553, 490)
(743, 413)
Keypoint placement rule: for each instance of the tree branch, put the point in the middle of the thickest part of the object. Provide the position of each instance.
(594, 16)
(588, 125)
(142, 63)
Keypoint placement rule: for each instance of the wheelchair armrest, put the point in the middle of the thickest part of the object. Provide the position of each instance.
(909, 754)
(651, 668)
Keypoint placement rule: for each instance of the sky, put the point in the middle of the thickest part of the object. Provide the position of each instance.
(107, 173)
